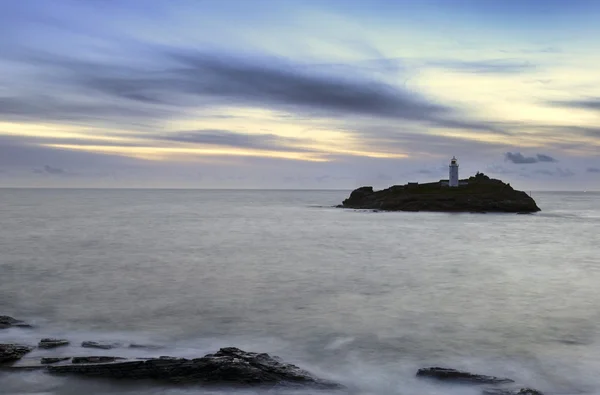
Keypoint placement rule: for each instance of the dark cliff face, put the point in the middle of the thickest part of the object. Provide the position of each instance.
(481, 194)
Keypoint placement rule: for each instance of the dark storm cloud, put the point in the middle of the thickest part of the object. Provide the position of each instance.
(593, 169)
(277, 84)
(519, 158)
(545, 158)
(496, 66)
(114, 79)
(237, 140)
(53, 170)
(186, 79)
(41, 107)
(585, 104)
(215, 79)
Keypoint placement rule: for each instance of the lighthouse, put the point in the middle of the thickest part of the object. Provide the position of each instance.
(453, 180)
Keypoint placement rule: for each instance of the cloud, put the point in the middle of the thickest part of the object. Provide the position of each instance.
(53, 170)
(498, 169)
(192, 79)
(545, 158)
(586, 104)
(495, 66)
(542, 50)
(38, 108)
(593, 169)
(238, 140)
(180, 81)
(49, 170)
(558, 172)
(417, 141)
(154, 78)
(519, 158)
(17, 152)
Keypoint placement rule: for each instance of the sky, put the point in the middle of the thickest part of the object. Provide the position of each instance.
(298, 94)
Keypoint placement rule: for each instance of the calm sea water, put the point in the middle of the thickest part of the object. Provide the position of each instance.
(359, 297)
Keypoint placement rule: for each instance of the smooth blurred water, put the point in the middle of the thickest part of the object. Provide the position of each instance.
(360, 297)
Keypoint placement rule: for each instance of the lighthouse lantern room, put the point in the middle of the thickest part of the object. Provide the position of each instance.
(453, 180)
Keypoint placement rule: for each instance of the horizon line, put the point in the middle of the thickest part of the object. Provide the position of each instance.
(247, 189)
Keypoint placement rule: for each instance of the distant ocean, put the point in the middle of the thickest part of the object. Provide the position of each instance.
(359, 297)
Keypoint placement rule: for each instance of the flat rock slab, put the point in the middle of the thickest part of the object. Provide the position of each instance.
(145, 346)
(229, 366)
(52, 343)
(13, 352)
(100, 345)
(460, 377)
(51, 360)
(10, 322)
(100, 359)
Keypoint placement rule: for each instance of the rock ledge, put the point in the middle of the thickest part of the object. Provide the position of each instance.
(230, 366)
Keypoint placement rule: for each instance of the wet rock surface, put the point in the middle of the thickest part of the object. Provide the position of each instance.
(145, 346)
(99, 345)
(458, 376)
(13, 352)
(51, 360)
(99, 359)
(52, 343)
(480, 195)
(10, 322)
(227, 366)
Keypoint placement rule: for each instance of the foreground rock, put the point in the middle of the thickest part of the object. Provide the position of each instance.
(99, 345)
(145, 346)
(52, 343)
(9, 322)
(481, 194)
(100, 359)
(49, 360)
(229, 366)
(522, 391)
(13, 352)
(459, 376)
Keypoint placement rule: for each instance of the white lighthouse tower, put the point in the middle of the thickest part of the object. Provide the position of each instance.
(453, 180)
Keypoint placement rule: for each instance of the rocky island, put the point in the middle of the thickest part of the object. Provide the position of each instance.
(478, 194)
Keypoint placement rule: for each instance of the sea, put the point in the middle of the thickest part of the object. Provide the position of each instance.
(359, 297)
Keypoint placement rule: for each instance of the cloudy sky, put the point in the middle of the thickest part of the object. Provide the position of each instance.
(298, 93)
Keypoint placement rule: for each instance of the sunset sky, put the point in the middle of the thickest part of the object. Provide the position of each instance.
(298, 93)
